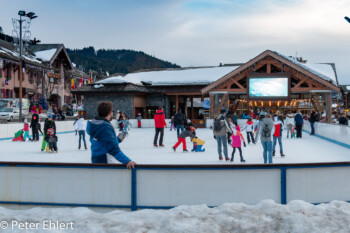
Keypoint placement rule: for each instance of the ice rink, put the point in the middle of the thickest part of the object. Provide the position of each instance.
(139, 147)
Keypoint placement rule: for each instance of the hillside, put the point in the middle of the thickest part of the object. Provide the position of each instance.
(116, 61)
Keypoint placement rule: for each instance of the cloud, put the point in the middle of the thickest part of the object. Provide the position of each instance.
(196, 32)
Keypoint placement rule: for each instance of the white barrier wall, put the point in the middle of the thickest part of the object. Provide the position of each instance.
(317, 185)
(167, 187)
(65, 185)
(340, 133)
(210, 187)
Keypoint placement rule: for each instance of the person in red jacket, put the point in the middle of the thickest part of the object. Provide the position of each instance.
(159, 121)
(277, 136)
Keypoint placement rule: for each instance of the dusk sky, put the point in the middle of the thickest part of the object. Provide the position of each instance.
(195, 32)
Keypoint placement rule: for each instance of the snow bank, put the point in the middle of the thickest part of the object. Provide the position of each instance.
(266, 216)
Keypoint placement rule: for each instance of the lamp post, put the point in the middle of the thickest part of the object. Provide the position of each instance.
(31, 16)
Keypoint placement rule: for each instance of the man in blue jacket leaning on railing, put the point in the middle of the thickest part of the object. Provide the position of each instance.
(103, 137)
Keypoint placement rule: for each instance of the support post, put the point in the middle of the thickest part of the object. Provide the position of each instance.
(283, 186)
(176, 103)
(192, 108)
(212, 105)
(133, 190)
(329, 107)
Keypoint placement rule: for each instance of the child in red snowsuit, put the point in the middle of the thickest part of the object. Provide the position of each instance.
(236, 143)
(182, 138)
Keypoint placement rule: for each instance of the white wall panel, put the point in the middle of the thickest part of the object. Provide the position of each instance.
(210, 187)
(65, 185)
(316, 185)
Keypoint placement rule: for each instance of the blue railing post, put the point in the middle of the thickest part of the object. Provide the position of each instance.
(133, 190)
(283, 185)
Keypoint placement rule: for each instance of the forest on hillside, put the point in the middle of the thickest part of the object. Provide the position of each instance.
(121, 61)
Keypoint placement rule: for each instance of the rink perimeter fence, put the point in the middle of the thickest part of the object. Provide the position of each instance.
(167, 186)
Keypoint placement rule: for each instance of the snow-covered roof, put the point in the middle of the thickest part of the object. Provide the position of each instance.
(322, 70)
(13, 54)
(45, 55)
(190, 76)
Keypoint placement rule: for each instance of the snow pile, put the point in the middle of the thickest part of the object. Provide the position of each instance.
(266, 216)
(173, 77)
(46, 55)
(98, 86)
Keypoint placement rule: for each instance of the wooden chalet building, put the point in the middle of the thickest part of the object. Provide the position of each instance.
(307, 86)
(57, 88)
(33, 74)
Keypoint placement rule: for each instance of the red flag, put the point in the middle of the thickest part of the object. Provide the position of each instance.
(81, 82)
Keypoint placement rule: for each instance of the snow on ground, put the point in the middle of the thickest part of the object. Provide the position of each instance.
(266, 216)
(139, 147)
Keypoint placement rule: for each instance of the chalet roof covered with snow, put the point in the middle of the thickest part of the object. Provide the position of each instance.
(323, 70)
(187, 76)
(8, 51)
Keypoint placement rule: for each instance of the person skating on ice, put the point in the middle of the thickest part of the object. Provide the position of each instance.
(249, 128)
(159, 122)
(198, 145)
(26, 131)
(80, 127)
(237, 139)
(103, 137)
(52, 140)
(182, 138)
(277, 136)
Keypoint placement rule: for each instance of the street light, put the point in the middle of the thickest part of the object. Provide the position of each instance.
(347, 19)
(31, 16)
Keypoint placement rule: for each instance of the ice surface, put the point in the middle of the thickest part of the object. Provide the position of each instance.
(139, 147)
(266, 216)
(174, 77)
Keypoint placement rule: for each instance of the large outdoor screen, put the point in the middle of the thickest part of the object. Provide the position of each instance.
(267, 87)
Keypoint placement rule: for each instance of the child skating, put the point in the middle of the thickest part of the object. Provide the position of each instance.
(236, 143)
(198, 145)
(51, 139)
(26, 131)
(172, 124)
(249, 128)
(182, 138)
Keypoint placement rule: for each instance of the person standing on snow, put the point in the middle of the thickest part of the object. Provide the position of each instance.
(159, 121)
(277, 136)
(266, 131)
(103, 137)
(220, 129)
